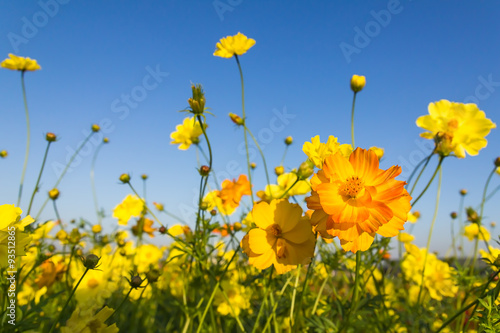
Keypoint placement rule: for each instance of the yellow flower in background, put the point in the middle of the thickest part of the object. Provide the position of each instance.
(318, 152)
(84, 321)
(413, 216)
(11, 225)
(147, 255)
(238, 298)
(438, 277)
(358, 82)
(404, 237)
(282, 237)
(187, 133)
(17, 63)
(491, 255)
(353, 199)
(472, 232)
(238, 44)
(378, 151)
(285, 181)
(228, 198)
(131, 206)
(456, 127)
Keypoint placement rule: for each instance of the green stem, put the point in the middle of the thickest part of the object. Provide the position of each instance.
(65, 170)
(288, 189)
(245, 128)
(119, 306)
(420, 173)
(352, 119)
(57, 215)
(299, 267)
(441, 159)
(430, 233)
(426, 160)
(28, 139)
(284, 155)
(261, 154)
(67, 302)
(39, 177)
(147, 208)
(210, 161)
(319, 295)
(480, 220)
(266, 293)
(92, 183)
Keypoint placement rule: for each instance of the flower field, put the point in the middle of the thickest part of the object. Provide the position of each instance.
(308, 252)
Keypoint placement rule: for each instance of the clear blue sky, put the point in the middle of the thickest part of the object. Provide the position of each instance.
(94, 54)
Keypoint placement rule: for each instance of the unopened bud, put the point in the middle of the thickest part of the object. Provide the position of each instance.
(204, 170)
(125, 178)
(288, 140)
(91, 261)
(306, 169)
(253, 165)
(3, 153)
(153, 275)
(213, 212)
(54, 194)
(136, 281)
(472, 215)
(453, 215)
(279, 170)
(493, 224)
(50, 137)
(236, 119)
(162, 230)
(237, 226)
(197, 102)
(95, 128)
(159, 206)
(463, 191)
(358, 82)
(105, 140)
(96, 228)
(416, 214)
(497, 162)
(144, 176)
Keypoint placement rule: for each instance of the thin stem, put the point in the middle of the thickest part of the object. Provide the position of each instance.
(119, 306)
(39, 177)
(480, 220)
(420, 173)
(261, 154)
(146, 206)
(284, 155)
(294, 294)
(245, 128)
(430, 232)
(288, 189)
(92, 183)
(204, 178)
(65, 170)
(28, 139)
(426, 160)
(441, 159)
(266, 293)
(57, 214)
(352, 119)
(319, 295)
(67, 302)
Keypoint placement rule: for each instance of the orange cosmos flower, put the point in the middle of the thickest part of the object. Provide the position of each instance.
(232, 191)
(283, 237)
(353, 199)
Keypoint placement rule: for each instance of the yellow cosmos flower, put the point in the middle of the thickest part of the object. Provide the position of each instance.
(131, 206)
(438, 277)
(285, 181)
(282, 237)
(11, 225)
(146, 256)
(238, 299)
(353, 199)
(17, 63)
(238, 44)
(491, 255)
(404, 237)
(84, 321)
(228, 198)
(456, 127)
(187, 133)
(472, 232)
(317, 151)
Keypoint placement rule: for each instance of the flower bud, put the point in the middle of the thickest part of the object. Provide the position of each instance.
(3, 153)
(497, 162)
(197, 102)
(162, 230)
(288, 140)
(125, 178)
(493, 224)
(306, 169)
(50, 137)
(453, 215)
(204, 205)
(51, 248)
(144, 176)
(279, 170)
(253, 165)
(159, 206)
(62, 235)
(237, 226)
(236, 119)
(54, 194)
(153, 275)
(96, 228)
(213, 212)
(105, 140)
(74, 236)
(416, 214)
(472, 215)
(444, 144)
(463, 191)
(95, 128)
(204, 170)
(136, 282)
(91, 261)
(358, 82)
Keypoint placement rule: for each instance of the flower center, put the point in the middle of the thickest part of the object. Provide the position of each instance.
(453, 124)
(352, 186)
(275, 230)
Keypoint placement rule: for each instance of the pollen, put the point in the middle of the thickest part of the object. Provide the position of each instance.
(351, 187)
(275, 230)
(453, 124)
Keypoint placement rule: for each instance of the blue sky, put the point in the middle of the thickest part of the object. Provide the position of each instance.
(95, 54)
